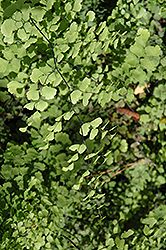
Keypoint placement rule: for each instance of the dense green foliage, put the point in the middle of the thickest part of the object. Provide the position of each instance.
(75, 172)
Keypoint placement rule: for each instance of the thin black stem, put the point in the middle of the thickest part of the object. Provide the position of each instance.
(56, 68)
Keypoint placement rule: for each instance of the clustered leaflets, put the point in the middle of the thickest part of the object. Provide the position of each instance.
(58, 189)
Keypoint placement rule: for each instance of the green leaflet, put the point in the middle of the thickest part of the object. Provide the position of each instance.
(132, 60)
(41, 105)
(139, 75)
(33, 93)
(48, 92)
(4, 64)
(69, 168)
(36, 73)
(73, 158)
(93, 133)
(86, 98)
(68, 7)
(137, 50)
(85, 129)
(35, 120)
(38, 13)
(8, 27)
(16, 88)
(95, 123)
(68, 115)
(123, 146)
(80, 148)
(85, 83)
(142, 37)
(153, 50)
(149, 221)
(23, 35)
(91, 15)
(148, 64)
(77, 5)
(75, 96)
(127, 234)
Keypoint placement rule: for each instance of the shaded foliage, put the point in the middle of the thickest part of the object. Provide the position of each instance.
(75, 172)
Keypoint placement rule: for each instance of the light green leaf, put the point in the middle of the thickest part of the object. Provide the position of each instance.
(145, 118)
(101, 27)
(35, 120)
(33, 93)
(56, 79)
(86, 173)
(23, 130)
(74, 147)
(16, 88)
(63, 47)
(32, 182)
(153, 50)
(141, 13)
(95, 123)
(104, 34)
(76, 49)
(48, 92)
(161, 179)
(149, 221)
(132, 60)
(49, 137)
(86, 98)
(109, 159)
(58, 127)
(23, 35)
(116, 43)
(38, 13)
(146, 230)
(93, 133)
(30, 105)
(68, 7)
(77, 5)
(68, 115)
(69, 168)
(104, 134)
(75, 96)
(4, 64)
(137, 50)
(36, 73)
(123, 146)
(85, 83)
(139, 75)
(119, 243)
(90, 156)
(91, 194)
(41, 105)
(15, 65)
(7, 27)
(127, 234)
(110, 242)
(81, 149)
(76, 186)
(148, 64)
(142, 37)
(85, 129)
(73, 158)
(91, 15)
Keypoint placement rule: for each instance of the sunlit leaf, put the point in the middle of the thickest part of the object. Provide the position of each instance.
(93, 133)
(33, 93)
(95, 123)
(16, 88)
(75, 96)
(48, 92)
